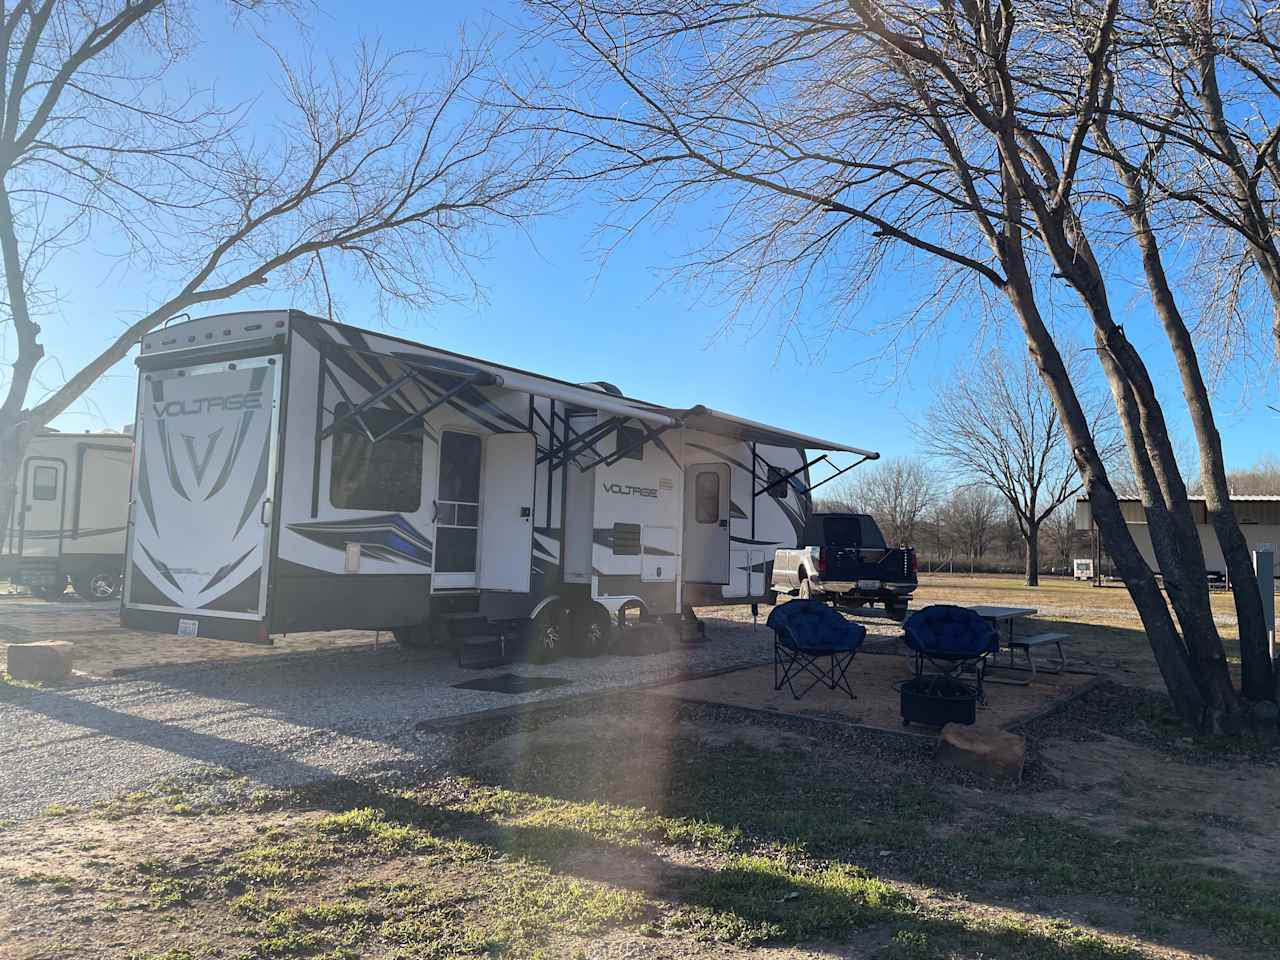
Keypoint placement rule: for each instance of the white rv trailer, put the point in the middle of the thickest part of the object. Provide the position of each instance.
(68, 516)
(299, 474)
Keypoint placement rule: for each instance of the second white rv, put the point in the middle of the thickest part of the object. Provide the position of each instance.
(298, 474)
(68, 518)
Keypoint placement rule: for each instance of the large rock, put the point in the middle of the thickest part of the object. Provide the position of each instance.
(993, 753)
(40, 662)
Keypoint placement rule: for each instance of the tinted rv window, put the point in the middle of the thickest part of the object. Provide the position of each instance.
(44, 483)
(706, 494)
(851, 531)
(630, 437)
(386, 475)
(777, 485)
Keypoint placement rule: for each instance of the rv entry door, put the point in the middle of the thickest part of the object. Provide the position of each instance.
(200, 516)
(506, 512)
(44, 488)
(706, 523)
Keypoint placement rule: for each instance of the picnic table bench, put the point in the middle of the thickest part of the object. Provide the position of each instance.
(1027, 644)
(1008, 618)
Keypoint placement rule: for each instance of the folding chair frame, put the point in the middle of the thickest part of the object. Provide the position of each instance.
(953, 667)
(793, 663)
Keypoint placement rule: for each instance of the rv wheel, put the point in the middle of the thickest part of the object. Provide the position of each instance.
(806, 591)
(103, 585)
(545, 637)
(592, 631)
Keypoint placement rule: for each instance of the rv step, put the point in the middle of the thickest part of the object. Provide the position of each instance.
(480, 642)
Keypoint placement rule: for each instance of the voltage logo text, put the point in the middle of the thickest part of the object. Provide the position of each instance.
(231, 403)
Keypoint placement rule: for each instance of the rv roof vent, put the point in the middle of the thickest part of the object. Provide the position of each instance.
(604, 386)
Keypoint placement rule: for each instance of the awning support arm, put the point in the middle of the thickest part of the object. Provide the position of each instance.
(838, 473)
(650, 432)
(438, 402)
(413, 374)
(561, 454)
(796, 472)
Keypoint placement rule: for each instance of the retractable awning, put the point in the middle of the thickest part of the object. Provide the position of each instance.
(726, 425)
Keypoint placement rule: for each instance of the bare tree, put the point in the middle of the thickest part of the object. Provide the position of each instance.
(971, 513)
(373, 167)
(1261, 478)
(856, 136)
(996, 425)
(897, 491)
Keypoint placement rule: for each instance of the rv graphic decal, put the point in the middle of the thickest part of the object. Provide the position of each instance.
(388, 536)
(629, 490)
(203, 464)
(371, 375)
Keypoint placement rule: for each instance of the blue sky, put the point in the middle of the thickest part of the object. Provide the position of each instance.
(549, 305)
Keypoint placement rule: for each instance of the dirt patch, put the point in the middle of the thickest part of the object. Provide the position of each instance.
(103, 648)
(877, 704)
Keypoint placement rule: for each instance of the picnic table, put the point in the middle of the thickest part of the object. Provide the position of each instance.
(1008, 618)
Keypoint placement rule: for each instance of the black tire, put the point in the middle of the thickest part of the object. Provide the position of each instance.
(896, 612)
(98, 586)
(805, 591)
(545, 635)
(592, 631)
(771, 598)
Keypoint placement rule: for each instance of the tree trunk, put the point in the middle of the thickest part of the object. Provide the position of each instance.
(1258, 682)
(1033, 554)
(1166, 645)
(1178, 547)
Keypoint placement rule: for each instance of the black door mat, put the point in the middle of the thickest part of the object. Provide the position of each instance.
(510, 683)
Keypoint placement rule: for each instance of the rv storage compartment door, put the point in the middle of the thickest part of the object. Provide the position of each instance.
(506, 512)
(706, 523)
(201, 514)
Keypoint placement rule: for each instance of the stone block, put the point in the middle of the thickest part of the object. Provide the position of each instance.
(46, 662)
(992, 753)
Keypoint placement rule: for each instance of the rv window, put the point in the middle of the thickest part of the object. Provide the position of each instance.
(44, 483)
(630, 437)
(777, 482)
(706, 493)
(626, 539)
(386, 475)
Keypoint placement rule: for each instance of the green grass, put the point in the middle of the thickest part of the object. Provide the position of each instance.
(742, 846)
(756, 899)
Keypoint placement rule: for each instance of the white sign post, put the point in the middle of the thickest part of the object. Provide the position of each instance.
(1264, 565)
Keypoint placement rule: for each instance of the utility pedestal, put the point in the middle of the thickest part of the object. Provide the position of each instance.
(1264, 565)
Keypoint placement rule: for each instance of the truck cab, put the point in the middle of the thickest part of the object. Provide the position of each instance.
(845, 559)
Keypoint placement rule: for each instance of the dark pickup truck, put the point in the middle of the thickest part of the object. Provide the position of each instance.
(846, 559)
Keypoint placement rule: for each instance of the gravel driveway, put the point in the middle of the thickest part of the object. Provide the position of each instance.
(284, 719)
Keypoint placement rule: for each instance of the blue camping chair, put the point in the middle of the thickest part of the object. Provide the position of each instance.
(952, 640)
(811, 638)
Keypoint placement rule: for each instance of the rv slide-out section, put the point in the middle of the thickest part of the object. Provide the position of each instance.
(296, 474)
